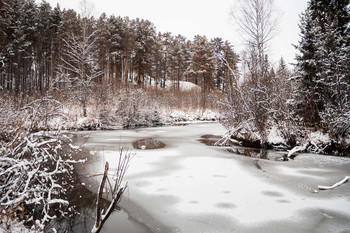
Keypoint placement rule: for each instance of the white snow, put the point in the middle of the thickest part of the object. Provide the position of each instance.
(183, 85)
(190, 187)
(187, 86)
(274, 137)
(319, 138)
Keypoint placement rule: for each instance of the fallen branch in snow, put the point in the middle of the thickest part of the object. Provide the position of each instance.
(295, 150)
(227, 140)
(320, 187)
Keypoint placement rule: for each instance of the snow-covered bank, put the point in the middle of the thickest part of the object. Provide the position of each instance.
(190, 187)
(306, 140)
(164, 117)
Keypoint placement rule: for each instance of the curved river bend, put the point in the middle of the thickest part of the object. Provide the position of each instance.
(191, 187)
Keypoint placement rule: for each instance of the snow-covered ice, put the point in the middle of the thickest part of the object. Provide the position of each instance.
(190, 187)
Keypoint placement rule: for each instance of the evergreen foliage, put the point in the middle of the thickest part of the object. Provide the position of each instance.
(323, 77)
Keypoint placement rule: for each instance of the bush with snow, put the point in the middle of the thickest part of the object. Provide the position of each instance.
(36, 173)
(318, 141)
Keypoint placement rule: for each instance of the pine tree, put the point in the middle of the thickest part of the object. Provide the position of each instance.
(5, 21)
(334, 75)
(144, 50)
(128, 35)
(307, 63)
(113, 52)
(322, 62)
(219, 48)
(202, 66)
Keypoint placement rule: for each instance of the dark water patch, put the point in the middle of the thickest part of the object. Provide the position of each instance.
(257, 165)
(179, 124)
(148, 144)
(257, 153)
(84, 203)
(226, 192)
(83, 200)
(272, 194)
(209, 139)
(225, 205)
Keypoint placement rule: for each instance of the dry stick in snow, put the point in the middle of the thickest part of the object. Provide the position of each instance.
(97, 227)
(116, 191)
(335, 185)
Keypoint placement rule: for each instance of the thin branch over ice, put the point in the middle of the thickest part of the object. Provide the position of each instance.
(346, 179)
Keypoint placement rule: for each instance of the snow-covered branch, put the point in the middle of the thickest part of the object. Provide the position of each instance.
(346, 179)
(36, 170)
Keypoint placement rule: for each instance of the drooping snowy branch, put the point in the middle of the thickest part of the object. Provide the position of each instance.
(291, 153)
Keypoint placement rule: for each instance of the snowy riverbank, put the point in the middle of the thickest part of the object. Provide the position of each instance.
(190, 187)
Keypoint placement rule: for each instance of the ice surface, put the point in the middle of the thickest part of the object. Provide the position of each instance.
(190, 187)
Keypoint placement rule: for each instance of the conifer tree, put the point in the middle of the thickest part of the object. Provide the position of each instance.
(202, 67)
(322, 63)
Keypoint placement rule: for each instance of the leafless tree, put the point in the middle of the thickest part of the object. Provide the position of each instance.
(257, 23)
(80, 61)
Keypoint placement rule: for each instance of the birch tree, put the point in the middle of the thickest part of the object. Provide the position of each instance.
(257, 23)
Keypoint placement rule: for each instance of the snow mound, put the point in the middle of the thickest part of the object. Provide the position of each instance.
(274, 137)
(187, 86)
(183, 85)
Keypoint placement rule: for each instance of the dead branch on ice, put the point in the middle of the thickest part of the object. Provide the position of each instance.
(335, 185)
(295, 150)
(116, 191)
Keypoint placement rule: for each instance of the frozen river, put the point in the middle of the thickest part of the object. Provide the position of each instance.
(191, 187)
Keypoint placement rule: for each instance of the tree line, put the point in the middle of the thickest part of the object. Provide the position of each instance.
(322, 80)
(314, 97)
(43, 47)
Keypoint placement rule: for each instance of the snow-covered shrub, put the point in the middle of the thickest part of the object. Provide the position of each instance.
(137, 108)
(36, 170)
(337, 120)
(41, 111)
(8, 113)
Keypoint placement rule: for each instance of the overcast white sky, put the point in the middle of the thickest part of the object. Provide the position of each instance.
(203, 17)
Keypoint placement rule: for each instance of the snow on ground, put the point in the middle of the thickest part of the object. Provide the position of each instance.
(190, 187)
(319, 137)
(187, 86)
(183, 85)
(274, 137)
(10, 225)
(190, 116)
